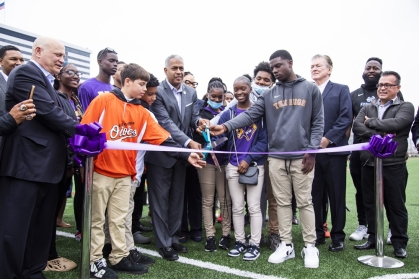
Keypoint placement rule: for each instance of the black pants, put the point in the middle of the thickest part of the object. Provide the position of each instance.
(27, 211)
(355, 166)
(78, 199)
(138, 204)
(61, 195)
(330, 176)
(192, 204)
(394, 180)
(166, 192)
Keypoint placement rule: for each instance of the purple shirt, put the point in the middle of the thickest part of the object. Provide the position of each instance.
(244, 137)
(90, 89)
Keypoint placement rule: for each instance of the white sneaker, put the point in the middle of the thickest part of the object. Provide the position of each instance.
(282, 253)
(359, 234)
(389, 237)
(311, 256)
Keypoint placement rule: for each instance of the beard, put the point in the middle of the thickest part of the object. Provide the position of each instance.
(371, 83)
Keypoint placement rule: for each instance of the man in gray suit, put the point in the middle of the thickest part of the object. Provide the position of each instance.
(10, 57)
(176, 110)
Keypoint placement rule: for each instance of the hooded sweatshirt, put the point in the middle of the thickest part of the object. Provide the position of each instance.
(294, 117)
(127, 122)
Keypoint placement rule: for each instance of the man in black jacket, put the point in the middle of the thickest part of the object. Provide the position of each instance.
(361, 97)
(388, 115)
(32, 164)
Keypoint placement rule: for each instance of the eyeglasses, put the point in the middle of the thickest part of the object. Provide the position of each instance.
(71, 73)
(386, 85)
(191, 83)
(106, 50)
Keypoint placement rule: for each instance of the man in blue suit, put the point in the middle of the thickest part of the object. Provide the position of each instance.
(330, 168)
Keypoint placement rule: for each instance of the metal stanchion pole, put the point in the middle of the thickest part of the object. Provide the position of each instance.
(379, 260)
(87, 220)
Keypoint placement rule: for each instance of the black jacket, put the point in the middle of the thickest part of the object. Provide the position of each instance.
(396, 119)
(37, 149)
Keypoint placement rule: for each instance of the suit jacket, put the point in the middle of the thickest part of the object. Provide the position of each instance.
(415, 129)
(337, 107)
(176, 122)
(36, 150)
(2, 93)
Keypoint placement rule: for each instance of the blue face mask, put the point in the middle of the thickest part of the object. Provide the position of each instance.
(214, 105)
(259, 89)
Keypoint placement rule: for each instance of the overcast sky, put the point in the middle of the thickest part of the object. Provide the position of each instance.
(229, 38)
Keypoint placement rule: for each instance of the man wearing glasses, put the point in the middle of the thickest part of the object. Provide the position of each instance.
(107, 60)
(361, 97)
(387, 115)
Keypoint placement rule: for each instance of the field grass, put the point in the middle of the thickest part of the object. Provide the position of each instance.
(340, 265)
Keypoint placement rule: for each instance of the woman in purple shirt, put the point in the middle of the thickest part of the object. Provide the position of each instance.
(252, 138)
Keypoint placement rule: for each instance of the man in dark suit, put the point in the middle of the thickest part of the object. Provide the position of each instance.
(10, 57)
(32, 164)
(330, 169)
(176, 110)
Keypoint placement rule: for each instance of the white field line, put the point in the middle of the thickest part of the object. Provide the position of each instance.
(207, 265)
(397, 276)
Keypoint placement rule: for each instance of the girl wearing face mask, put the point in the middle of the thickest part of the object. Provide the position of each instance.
(210, 177)
(252, 138)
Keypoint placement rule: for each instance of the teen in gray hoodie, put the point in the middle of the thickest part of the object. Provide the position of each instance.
(293, 110)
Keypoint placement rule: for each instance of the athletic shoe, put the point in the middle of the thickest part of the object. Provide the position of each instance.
(137, 257)
(273, 241)
(77, 236)
(239, 248)
(389, 237)
(210, 245)
(282, 253)
(98, 269)
(225, 242)
(326, 231)
(359, 234)
(295, 220)
(128, 266)
(252, 253)
(311, 256)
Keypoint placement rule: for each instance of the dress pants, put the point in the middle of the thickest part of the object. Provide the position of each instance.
(27, 211)
(355, 166)
(139, 201)
(394, 180)
(166, 188)
(330, 177)
(192, 204)
(79, 198)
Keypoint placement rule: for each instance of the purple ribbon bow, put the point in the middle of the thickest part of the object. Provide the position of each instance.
(87, 142)
(382, 147)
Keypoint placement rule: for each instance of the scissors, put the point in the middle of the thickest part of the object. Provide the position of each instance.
(210, 146)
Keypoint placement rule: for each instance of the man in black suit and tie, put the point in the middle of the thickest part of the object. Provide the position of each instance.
(330, 169)
(10, 57)
(32, 164)
(176, 110)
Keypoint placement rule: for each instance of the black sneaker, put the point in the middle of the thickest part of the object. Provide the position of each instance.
(225, 242)
(210, 245)
(138, 257)
(238, 249)
(128, 266)
(98, 269)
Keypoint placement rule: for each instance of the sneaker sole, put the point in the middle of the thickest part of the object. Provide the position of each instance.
(251, 259)
(235, 255)
(311, 266)
(290, 256)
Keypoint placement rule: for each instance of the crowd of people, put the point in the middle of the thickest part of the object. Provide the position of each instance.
(274, 112)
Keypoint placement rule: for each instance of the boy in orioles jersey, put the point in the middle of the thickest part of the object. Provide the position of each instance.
(123, 119)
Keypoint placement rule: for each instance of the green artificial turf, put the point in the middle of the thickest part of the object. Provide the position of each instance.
(340, 265)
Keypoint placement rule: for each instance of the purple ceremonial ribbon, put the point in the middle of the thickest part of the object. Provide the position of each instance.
(148, 147)
(382, 147)
(87, 142)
